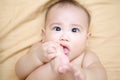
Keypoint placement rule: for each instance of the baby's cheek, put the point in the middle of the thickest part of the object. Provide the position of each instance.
(51, 39)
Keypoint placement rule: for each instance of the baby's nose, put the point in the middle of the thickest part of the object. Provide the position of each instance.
(64, 37)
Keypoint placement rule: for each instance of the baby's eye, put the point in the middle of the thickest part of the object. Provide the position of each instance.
(57, 28)
(75, 30)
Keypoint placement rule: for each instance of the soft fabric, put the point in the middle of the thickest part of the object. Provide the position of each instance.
(21, 21)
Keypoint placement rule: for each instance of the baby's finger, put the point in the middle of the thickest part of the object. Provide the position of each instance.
(58, 48)
(51, 56)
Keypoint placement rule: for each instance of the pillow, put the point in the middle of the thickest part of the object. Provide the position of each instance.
(21, 21)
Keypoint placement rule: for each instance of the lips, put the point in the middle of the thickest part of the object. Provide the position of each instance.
(65, 49)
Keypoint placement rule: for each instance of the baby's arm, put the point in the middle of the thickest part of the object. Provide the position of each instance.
(50, 71)
(37, 56)
(91, 69)
(27, 63)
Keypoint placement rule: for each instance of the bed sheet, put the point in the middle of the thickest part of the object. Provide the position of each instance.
(21, 21)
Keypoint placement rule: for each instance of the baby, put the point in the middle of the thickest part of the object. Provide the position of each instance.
(62, 53)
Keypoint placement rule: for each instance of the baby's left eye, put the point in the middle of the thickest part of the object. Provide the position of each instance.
(75, 30)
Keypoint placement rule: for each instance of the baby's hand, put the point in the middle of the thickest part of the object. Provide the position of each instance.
(45, 52)
(62, 66)
(72, 72)
(48, 50)
(60, 60)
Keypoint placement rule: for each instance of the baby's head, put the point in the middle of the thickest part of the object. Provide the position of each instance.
(67, 23)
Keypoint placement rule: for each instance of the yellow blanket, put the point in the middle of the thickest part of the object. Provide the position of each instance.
(21, 21)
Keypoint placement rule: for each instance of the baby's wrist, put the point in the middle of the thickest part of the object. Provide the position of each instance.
(80, 74)
(36, 59)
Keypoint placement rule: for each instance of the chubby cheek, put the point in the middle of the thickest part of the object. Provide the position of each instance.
(77, 48)
(80, 44)
(51, 37)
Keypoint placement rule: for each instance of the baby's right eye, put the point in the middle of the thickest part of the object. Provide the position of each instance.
(56, 28)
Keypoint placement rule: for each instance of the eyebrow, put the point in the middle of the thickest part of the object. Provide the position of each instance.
(55, 24)
(52, 24)
(78, 25)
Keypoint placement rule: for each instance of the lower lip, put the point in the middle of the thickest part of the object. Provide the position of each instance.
(66, 51)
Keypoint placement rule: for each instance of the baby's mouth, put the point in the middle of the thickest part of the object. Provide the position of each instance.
(65, 49)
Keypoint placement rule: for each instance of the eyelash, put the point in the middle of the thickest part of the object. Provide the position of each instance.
(56, 28)
(74, 30)
(77, 30)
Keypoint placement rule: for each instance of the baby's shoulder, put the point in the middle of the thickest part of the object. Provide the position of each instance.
(90, 58)
(90, 55)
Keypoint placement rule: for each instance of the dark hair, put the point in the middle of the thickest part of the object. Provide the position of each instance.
(52, 3)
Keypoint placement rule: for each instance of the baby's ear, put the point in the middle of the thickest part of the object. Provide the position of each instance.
(89, 35)
(43, 34)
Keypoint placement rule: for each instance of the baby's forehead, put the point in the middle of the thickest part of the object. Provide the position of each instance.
(65, 6)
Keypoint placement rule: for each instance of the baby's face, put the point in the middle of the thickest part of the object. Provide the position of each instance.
(68, 27)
